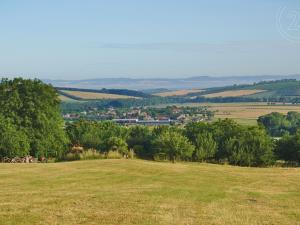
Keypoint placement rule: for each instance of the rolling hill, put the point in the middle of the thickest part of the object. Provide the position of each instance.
(264, 89)
(92, 94)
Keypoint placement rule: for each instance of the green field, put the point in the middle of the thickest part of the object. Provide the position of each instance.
(145, 192)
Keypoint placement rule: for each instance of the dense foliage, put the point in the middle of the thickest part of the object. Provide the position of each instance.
(220, 141)
(30, 120)
(279, 125)
(288, 148)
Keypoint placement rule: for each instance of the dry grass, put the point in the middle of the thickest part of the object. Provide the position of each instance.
(236, 93)
(177, 93)
(141, 192)
(94, 95)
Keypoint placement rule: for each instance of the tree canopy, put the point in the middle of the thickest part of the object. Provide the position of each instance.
(33, 111)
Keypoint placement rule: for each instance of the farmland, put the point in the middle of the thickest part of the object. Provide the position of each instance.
(64, 98)
(248, 113)
(143, 192)
(244, 113)
(234, 93)
(94, 96)
(177, 93)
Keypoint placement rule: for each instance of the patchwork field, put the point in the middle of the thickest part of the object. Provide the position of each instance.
(249, 113)
(244, 113)
(235, 93)
(94, 95)
(177, 93)
(144, 192)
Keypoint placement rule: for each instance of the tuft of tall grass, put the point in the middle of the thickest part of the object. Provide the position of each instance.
(91, 154)
(113, 155)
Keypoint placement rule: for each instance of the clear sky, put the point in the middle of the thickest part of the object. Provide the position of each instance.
(76, 39)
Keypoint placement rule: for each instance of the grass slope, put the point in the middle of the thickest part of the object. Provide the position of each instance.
(142, 192)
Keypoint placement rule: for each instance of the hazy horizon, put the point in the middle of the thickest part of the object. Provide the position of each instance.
(137, 39)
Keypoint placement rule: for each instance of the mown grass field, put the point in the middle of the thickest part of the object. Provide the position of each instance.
(144, 192)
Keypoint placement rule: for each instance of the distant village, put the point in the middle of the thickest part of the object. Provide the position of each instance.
(145, 115)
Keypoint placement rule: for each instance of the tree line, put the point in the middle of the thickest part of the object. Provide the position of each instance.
(218, 142)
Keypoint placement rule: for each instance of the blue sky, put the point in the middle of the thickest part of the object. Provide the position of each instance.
(76, 39)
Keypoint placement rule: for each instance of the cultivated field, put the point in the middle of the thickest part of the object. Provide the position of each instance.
(236, 93)
(177, 93)
(94, 95)
(65, 98)
(245, 113)
(249, 113)
(141, 192)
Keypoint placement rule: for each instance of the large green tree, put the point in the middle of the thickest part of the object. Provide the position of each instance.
(205, 147)
(252, 147)
(175, 145)
(34, 107)
(288, 148)
(13, 141)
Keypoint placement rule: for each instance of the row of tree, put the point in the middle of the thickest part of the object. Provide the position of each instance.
(221, 141)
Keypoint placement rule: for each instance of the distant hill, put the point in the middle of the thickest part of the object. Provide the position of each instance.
(285, 90)
(150, 84)
(264, 89)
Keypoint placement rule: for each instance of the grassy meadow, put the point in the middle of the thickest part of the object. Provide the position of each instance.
(145, 192)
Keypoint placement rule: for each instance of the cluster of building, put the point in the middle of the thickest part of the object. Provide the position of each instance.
(144, 116)
(144, 122)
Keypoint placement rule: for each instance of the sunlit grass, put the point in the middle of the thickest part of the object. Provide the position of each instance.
(145, 192)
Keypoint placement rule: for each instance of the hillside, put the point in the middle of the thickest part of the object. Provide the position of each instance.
(264, 89)
(92, 94)
(144, 192)
(177, 93)
(197, 82)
